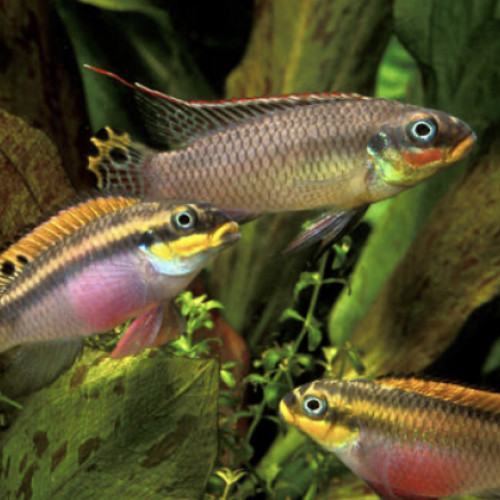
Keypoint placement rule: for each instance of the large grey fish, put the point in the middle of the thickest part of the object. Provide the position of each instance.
(334, 151)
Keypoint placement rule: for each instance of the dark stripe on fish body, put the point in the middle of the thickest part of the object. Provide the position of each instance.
(378, 406)
(66, 257)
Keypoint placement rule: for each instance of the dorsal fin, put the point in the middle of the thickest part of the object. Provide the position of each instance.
(175, 122)
(458, 394)
(16, 256)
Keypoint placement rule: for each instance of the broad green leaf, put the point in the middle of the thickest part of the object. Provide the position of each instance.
(398, 76)
(141, 427)
(128, 36)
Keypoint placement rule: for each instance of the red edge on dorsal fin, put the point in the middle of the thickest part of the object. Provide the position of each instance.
(270, 99)
(135, 86)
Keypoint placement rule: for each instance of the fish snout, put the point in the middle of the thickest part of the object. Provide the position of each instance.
(227, 234)
(463, 148)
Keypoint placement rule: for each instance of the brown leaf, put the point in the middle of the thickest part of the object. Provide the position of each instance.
(40, 81)
(32, 178)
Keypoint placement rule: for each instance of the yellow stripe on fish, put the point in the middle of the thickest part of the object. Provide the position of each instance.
(63, 223)
(407, 437)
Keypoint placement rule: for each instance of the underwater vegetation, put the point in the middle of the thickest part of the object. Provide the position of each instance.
(414, 287)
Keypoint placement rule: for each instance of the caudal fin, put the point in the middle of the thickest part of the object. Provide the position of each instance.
(118, 162)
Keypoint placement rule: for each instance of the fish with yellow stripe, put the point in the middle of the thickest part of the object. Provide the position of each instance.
(408, 438)
(336, 152)
(103, 261)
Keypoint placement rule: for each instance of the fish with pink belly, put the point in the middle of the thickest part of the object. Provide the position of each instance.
(101, 262)
(409, 439)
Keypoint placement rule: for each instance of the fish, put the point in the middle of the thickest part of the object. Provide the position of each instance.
(333, 152)
(408, 438)
(101, 262)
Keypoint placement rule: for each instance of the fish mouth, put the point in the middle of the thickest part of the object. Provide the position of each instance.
(226, 235)
(463, 148)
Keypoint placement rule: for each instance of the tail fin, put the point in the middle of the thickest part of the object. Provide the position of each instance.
(118, 162)
(27, 368)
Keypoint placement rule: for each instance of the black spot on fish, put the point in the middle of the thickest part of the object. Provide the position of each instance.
(118, 155)
(102, 134)
(147, 239)
(22, 259)
(377, 143)
(93, 151)
(8, 268)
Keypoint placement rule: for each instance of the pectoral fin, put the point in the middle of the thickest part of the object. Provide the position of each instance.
(328, 227)
(27, 368)
(141, 333)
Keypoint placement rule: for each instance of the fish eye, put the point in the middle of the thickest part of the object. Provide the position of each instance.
(422, 130)
(314, 405)
(147, 239)
(185, 219)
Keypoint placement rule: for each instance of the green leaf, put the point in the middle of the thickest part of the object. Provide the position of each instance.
(11, 402)
(492, 362)
(356, 361)
(141, 427)
(255, 378)
(314, 337)
(292, 314)
(228, 378)
(305, 280)
(271, 358)
(271, 395)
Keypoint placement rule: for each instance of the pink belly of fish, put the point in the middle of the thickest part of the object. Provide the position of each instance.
(416, 470)
(108, 293)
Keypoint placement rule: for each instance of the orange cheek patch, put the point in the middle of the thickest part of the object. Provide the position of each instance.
(423, 157)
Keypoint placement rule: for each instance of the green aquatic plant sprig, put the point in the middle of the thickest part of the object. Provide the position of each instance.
(196, 311)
